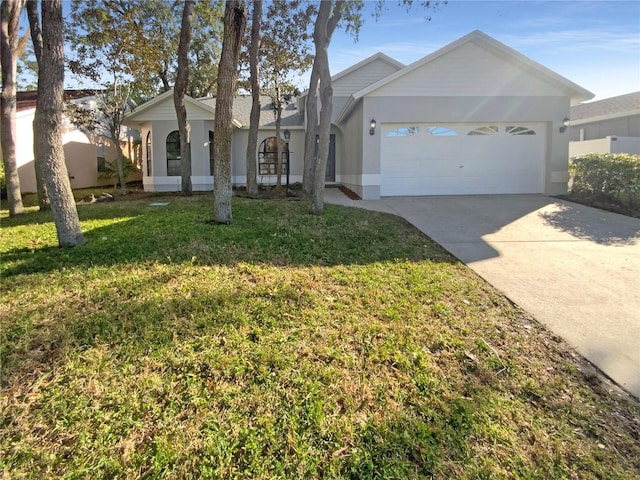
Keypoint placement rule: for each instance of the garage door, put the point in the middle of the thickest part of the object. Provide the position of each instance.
(459, 159)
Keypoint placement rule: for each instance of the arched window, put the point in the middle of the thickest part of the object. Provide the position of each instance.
(174, 168)
(267, 156)
(149, 157)
(211, 152)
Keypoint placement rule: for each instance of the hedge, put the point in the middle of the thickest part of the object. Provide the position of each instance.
(614, 176)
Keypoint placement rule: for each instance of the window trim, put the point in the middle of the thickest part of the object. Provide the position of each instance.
(175, 158)
(149, 150)
(101, 159)
(211, 153)
(266, 163)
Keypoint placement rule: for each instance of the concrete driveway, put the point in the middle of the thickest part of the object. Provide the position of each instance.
(574, 268)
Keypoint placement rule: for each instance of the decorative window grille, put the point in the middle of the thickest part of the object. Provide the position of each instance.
(518, 130)
(486, 130)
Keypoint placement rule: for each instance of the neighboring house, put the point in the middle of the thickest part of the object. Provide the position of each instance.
(86, 154)
(611, 125)
(474, 117)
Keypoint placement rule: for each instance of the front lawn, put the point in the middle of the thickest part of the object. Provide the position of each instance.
(282, 346)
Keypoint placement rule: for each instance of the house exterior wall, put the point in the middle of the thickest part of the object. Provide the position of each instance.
(24, 150)
(349, 170)
(362, 77)
(166, 110)
(628, 126)
(467, 109)
(625, 145)
(469, 70)
(81, 158)
(201, 177)
(472, 81)
(239, 153)
(337, 106)
(80, 152)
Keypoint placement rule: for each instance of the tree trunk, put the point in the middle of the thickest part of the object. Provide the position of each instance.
(36, 38)
(182, 79)
(9, 20)
(324, 130)
(278, 110)
(164, 78)
(326, 23)
(254, 119)
(235, 18)
(114, 131)
(310, 141)
(48, 126)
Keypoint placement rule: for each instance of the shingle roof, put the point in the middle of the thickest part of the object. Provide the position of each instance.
(609, 106)
(27, 99)
(291, 117)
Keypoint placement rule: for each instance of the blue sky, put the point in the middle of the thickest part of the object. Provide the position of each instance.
(595, 44)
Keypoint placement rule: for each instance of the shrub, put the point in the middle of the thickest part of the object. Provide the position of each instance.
(111, 169)
(615, 177)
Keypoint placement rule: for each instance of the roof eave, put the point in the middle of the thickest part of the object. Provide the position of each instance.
(146, 106)
(346, 110)
(600, 118)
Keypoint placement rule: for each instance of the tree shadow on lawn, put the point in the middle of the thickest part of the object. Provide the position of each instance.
(269, 232)
(411, 419)
(190, 326)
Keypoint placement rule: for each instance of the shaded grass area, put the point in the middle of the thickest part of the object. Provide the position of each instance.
(282, 346)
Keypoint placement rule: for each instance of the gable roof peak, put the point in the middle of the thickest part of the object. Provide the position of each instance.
(366, 61)
(372, 58)
(576, 92)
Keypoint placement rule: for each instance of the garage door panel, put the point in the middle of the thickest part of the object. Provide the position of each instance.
(507, 159)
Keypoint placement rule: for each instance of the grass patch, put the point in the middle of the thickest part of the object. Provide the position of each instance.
(283, 346)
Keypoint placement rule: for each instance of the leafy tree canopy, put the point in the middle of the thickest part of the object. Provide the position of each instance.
(136, 42)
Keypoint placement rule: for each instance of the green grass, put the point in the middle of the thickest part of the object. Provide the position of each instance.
(282, 346)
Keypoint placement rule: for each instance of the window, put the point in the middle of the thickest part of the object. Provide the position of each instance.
(149, 157)
(173, 154)
(102, 164)
(442, 132)
(267, 156)
(210, 153)
(488, 130)
(403, 132)
(517, 130)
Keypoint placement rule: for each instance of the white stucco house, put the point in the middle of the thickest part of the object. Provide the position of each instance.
(86, 153)
(474, 117)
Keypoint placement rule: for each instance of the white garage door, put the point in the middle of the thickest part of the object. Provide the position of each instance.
(459, 159)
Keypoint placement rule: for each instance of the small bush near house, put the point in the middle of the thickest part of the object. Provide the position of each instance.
(610, 181)
(111, 170)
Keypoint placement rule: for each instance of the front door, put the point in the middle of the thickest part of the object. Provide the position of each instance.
(330, 175)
